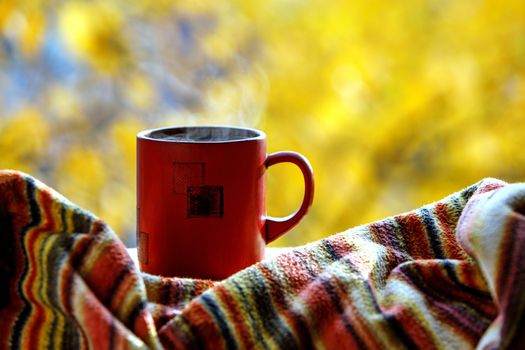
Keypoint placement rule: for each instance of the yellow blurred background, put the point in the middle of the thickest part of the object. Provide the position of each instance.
(396, 104)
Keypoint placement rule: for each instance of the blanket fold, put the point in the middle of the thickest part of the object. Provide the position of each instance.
(449, 275)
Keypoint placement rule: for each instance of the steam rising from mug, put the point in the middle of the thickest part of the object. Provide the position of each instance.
(235, 97)
(240, 100)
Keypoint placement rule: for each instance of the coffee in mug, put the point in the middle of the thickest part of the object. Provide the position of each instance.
(201, 200)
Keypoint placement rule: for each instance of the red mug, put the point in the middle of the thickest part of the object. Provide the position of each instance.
(201, 200)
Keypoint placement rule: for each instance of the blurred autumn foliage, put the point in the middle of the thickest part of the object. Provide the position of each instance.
(394, 103)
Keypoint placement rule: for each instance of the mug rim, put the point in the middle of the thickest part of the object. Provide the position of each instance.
(146, 134)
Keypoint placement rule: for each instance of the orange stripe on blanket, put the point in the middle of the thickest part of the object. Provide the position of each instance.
(417, 244)
(99, 324)
(33, 243)
(236, 317)
(203, 324)
(331, 325)
(412, 327)
(283, 305)
(446, 217)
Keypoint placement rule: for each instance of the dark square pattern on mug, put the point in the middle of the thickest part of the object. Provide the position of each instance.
(205, 202)
(187, 174)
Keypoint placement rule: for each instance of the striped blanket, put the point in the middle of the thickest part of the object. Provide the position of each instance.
(449, 275)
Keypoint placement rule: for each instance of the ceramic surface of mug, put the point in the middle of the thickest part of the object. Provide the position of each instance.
(201, 200)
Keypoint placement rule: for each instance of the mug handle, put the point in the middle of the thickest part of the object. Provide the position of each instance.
(275, 227)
